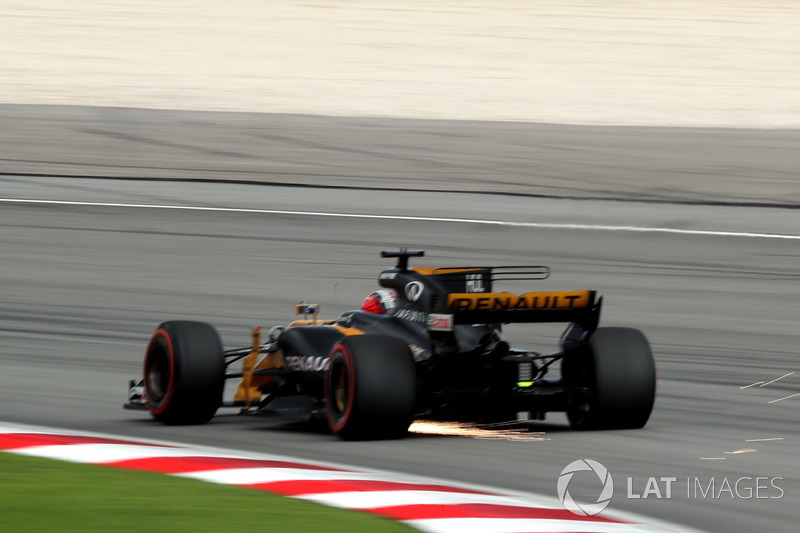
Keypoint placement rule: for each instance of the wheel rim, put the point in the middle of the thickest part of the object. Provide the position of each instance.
(158, 374)
(341, 391)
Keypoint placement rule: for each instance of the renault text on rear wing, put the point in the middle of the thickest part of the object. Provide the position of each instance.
(505, 307)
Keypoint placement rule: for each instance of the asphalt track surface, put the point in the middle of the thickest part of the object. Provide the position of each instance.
(126, 224)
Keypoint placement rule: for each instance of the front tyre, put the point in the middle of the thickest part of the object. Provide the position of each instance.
(184, 373)
(370, 388)
(617, 367)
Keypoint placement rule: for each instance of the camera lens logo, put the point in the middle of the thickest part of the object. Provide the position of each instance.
(585, 509)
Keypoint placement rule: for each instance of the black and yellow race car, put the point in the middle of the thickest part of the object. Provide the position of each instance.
(428, 344)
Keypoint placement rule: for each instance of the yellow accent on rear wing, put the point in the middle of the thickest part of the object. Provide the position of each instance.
(506, 301)
(432, 271)
(505, 307)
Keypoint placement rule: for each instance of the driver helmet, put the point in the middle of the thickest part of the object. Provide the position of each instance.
(380, 302)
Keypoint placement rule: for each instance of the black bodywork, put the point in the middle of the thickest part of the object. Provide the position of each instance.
(452, 322)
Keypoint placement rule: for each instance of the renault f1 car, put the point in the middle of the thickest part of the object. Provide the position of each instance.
(429, 344)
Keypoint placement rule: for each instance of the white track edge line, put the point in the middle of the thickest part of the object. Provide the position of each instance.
(487, 222)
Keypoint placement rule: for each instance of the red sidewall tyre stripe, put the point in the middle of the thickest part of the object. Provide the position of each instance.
(161, 334)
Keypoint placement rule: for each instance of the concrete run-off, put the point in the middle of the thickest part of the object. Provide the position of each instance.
(732, 63)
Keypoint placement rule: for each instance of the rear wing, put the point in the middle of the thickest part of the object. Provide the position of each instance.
(582, 307)
(465, 295)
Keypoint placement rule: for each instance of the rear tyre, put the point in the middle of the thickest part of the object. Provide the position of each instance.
(370, 388)
(184, 373)
(617, 367)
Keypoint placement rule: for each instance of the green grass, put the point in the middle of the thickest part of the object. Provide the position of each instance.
(44, 495)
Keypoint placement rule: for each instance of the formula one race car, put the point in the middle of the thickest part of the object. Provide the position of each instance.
(429, 344)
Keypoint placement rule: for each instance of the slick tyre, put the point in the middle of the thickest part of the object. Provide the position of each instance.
(184, 373)
(617, 367)
(370, 388)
